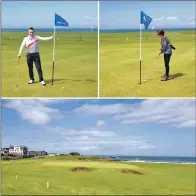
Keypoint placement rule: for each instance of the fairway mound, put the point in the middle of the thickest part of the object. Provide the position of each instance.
(129, 171)
(81, 169)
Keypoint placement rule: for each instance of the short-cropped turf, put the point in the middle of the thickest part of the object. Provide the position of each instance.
(103, 177)
(119, 65)
(75, 72)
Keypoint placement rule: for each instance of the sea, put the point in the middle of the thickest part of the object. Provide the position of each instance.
(157, 159)
(90, 30)
(51, 30)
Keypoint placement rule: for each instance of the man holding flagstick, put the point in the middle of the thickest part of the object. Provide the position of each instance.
(31, 42)
(58, 21)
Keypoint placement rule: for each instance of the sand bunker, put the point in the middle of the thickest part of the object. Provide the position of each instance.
(128, 171)
(81, 169)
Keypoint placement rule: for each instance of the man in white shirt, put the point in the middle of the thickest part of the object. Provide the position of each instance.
(31, 42)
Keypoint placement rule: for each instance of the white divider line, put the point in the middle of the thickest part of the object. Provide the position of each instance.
(98, 89)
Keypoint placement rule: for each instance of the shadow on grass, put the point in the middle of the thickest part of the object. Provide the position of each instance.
(73, 80)
(176, 75)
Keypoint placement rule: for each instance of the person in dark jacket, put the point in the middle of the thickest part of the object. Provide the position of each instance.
(166, 49)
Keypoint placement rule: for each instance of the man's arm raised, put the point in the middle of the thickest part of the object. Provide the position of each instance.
(45, 38)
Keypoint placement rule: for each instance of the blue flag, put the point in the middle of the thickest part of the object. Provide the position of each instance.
(145, 19)
(59, 21)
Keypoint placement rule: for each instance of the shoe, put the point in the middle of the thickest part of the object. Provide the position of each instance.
(31, 81)
(43, 83)
(165, 78)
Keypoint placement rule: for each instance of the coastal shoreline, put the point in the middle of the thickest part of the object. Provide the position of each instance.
(184, 163)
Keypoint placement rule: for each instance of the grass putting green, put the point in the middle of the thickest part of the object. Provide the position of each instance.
(90, 164)
(119, 65)
(75, 66)
(104, 178)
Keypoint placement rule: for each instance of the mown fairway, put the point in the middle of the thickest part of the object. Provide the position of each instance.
(119, 65)
(104, 178)
(75, 66)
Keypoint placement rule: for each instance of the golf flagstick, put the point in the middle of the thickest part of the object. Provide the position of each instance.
(58, 21)
(17, 70)
(53, 58)
(140, 53)
(146, 20)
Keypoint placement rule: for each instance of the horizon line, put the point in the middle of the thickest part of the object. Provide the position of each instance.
(97, 28)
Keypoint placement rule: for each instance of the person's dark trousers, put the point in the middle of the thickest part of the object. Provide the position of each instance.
(167, 60)
(34, 57)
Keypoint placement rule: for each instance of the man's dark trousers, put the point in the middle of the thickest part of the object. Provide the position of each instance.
(34, 57)
(167, 60)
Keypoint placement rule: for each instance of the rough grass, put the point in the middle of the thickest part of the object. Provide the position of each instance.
(119, 65)
(75, 66)
(105, 178)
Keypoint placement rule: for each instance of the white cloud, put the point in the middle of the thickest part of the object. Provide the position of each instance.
(171, 17)
(84, 141)
(96, 109)
(100, 123)
(104, 146)
(174, 112)
(34, 110)
(188, 123)
(178, 113)
(161, 18)
(166, 18)
(52, 101)
(86, 134)
(95, 141)
(86, 148)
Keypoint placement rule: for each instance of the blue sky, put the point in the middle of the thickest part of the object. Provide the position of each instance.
(166, 14)
(104, 127)
(78, 14)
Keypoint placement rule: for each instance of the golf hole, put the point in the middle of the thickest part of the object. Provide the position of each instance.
(129, 171)
(81, 169)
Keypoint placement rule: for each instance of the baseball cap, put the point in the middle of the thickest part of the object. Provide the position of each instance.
(160, 32)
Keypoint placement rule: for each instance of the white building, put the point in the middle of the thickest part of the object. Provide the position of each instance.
(4, 151)
(18, 150)
(52, 154)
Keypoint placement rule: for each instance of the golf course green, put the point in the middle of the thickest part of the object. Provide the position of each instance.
(119, 65)
(30, 177)
(75, 66)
